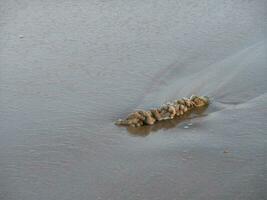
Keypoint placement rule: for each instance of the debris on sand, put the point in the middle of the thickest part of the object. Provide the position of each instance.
(164, 112)
(226, 151)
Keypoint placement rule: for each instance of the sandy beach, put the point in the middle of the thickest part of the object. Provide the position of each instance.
(69, 69)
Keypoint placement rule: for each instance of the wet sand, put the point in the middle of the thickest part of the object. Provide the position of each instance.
(69, 69)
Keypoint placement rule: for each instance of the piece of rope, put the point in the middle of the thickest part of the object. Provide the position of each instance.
(164, 112)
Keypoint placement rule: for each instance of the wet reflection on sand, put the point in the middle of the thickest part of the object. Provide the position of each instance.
(144, 131)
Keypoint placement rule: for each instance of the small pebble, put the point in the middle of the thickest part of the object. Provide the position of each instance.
(225, 151)
(190, 124)
(21, 36)
(186, 126)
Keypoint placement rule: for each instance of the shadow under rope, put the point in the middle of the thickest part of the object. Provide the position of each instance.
(168, 124)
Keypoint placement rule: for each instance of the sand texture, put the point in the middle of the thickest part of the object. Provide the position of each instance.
(69, 69)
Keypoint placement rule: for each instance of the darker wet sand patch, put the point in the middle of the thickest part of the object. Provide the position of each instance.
(182, 121)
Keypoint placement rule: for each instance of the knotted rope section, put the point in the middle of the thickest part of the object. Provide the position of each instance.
(164, 112)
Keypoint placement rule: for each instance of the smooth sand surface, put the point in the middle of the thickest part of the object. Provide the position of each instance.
(69, 69)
